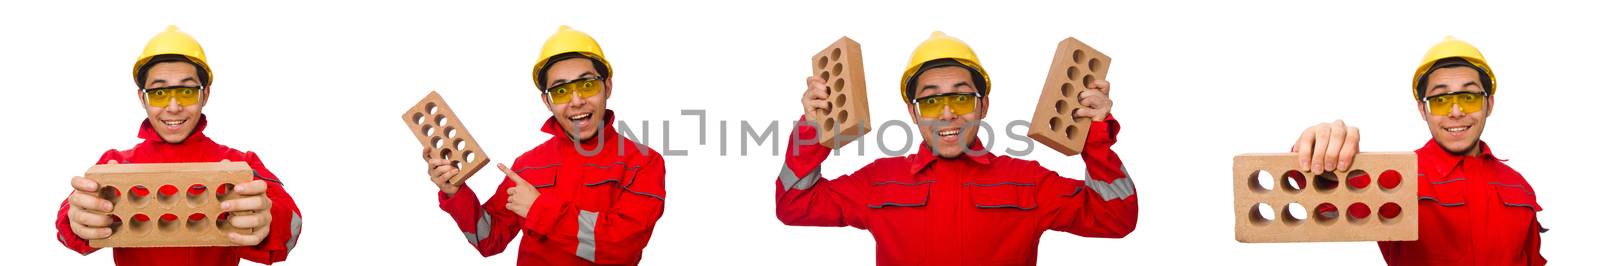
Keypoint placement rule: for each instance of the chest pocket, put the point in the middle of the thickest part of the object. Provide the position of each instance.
(1450, 192)
(1004, 195)
(895, 193)
(602, 183)
(539, 176)
(1517, 196)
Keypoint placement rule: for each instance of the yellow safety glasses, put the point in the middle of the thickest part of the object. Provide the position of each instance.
(931, 107)
(1469, 101)
(585, 87)
(161, 97)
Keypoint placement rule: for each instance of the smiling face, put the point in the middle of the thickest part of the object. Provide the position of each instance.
(173, 121)
(581, 117)
(1457, 131)
(947, 133)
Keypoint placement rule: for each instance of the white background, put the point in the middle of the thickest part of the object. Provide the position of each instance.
(317, 88)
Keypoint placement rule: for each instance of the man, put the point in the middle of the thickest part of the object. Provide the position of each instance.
(174, 83)
(583, 197)
(1474, 209)
(952, 203)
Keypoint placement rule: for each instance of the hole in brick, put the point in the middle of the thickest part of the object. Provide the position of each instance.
(223, 191)
(1055, 123)
(469, 156)
(838, 100)
(1389, 212)
(838, 85)
(1072, 72)
(456, 164)
(195, 195)
(138, 195)
(1327, 213)
(1325, 182)
(838, 69)
(844, 116)
(450, 132)
(460, 143)
(1293, 181)
(1294, 213)
(438, 142)
(441, 120)
(196, 222)
(1358, 212)
(1094, 65)
(827, 125)
(826, 75)
(1087, 79)
(1072, 130)
(823, 62)
(166, 193)
(1357, 180)
(1066, 91)
(1262, 214)
(222, 221)
(1062, 108)
(445, 154)
(116, 223)
(431, 107)
(139, 223)
(416, 118)
(1077, 56)
(110, 193)
(1389, 179)
(1260, 181)
(427, 130)
(168, 222)
(836, 53)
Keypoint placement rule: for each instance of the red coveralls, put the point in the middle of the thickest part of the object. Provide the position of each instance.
(1497, 228)
(280, 240)
(971, 210)
(592, 209)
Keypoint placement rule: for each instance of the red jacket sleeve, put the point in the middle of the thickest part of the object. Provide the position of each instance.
(285, 227)
(64, 228)
(805, 198)
(1104, 204)
(487, 229)
(615, 236)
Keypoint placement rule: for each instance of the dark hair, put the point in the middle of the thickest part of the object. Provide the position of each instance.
(977, 78)
(144, 71)
(1483, 76)
(598, 67)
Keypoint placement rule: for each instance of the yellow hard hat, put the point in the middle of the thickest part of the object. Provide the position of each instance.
(1452, 48)
(940, 46)
(565, 41)
(173, 42)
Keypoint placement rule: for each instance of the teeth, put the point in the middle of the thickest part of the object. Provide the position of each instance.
(578, 117)
(172, 122)
(951, 132)
(1455, 129)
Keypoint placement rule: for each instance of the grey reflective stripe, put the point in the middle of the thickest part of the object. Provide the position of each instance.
(294, 232)
(483, 229)
(791, 181)
(586, 221)
(1447, 181)
(1121, 188)
(1441, 203)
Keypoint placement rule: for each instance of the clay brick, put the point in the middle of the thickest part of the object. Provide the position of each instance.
(444, 136)
(1286, 186)
(188, 193)
(1074, 67)
(839, 66)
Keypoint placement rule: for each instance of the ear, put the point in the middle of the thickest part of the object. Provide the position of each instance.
(1422, 109)
(205, 96)
(1488, 107)
(912, 110)
(607, 93)
(545, 97)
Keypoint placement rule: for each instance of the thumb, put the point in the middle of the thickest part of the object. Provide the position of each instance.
(513, 176)
(111, 162)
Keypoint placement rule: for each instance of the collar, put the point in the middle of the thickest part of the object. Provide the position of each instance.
(147, 132)
(560, 134)
(925, 156)
(1443, 160)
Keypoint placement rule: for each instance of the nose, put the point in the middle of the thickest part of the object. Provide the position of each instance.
(946, 113)
(172, 106)
(576, 101)
(1455, 110)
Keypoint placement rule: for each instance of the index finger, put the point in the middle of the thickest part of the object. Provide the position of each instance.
(254, 187)
(84, 184)
(513, 176)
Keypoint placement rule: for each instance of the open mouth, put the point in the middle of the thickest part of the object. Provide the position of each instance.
(1457, 130)
(580, 120)
(950, 135)
(174, 124)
